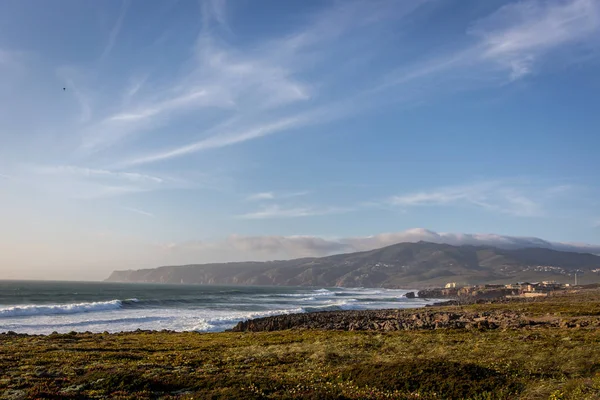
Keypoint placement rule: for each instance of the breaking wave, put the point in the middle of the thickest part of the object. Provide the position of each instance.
(56, 309)
(220, 323)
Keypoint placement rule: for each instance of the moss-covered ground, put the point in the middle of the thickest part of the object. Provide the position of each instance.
(528, 363)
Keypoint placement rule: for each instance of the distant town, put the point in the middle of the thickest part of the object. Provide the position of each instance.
(493, 291)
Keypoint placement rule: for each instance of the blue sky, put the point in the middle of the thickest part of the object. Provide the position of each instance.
(200, 131)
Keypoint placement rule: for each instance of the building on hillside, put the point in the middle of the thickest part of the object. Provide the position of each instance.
(513, 286)
(450, 285)
(550, 283)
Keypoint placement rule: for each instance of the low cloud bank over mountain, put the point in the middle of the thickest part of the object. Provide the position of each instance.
(243, 248)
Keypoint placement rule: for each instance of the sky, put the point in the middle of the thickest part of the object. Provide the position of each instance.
(135, 134)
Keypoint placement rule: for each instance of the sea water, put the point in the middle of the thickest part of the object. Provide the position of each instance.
(45, 307)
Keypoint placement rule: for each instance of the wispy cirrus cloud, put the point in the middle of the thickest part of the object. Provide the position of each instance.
(519, 34)
(275, 195)
(222, 139)
(136, 84)
(87, 183)
(516, 197)
(223, 80)
(214, 11)
(512, 41)
(261, 196)
(138, 211)
(494, 196)
(276, 211)
(114, 32)
(76, 171)
(255, 87)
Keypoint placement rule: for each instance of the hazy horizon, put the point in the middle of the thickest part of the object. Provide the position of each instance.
(136, 134)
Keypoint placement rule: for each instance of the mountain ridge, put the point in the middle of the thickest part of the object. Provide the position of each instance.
(421, 264)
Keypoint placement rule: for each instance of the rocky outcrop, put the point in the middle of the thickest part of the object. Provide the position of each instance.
(395, 320)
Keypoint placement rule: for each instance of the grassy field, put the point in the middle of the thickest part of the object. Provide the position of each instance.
(529, 363)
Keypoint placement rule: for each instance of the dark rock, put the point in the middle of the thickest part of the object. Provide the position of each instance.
(394, 320)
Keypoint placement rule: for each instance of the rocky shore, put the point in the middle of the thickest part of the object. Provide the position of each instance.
(397, 320)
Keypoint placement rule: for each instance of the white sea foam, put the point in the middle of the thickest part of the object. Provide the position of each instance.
(174, 311)
(54, 309)
(319, 293)
(224, 322)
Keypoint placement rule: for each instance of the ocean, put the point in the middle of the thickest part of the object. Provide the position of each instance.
(45, 307)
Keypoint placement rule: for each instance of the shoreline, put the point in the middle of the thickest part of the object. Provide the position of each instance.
(452, 314)
(171, 331)
(207, 309)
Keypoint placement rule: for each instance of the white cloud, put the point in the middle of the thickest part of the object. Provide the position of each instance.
(137, 83)
(214, 10)
(346, 16)
(272, 195)
(517, 197)
(155, 109)
(218, 140)
(97, 173)
(247, 84)
(561, 189)
(497, 196)
(294, 194)
(519, 33)
(85, 183)
(458, 239)
(276, 211)
(147, 115)
(514, 39)
(261, 196)
(138, 211)
(255, 85)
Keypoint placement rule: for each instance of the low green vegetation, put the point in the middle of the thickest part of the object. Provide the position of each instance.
(527, 363)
